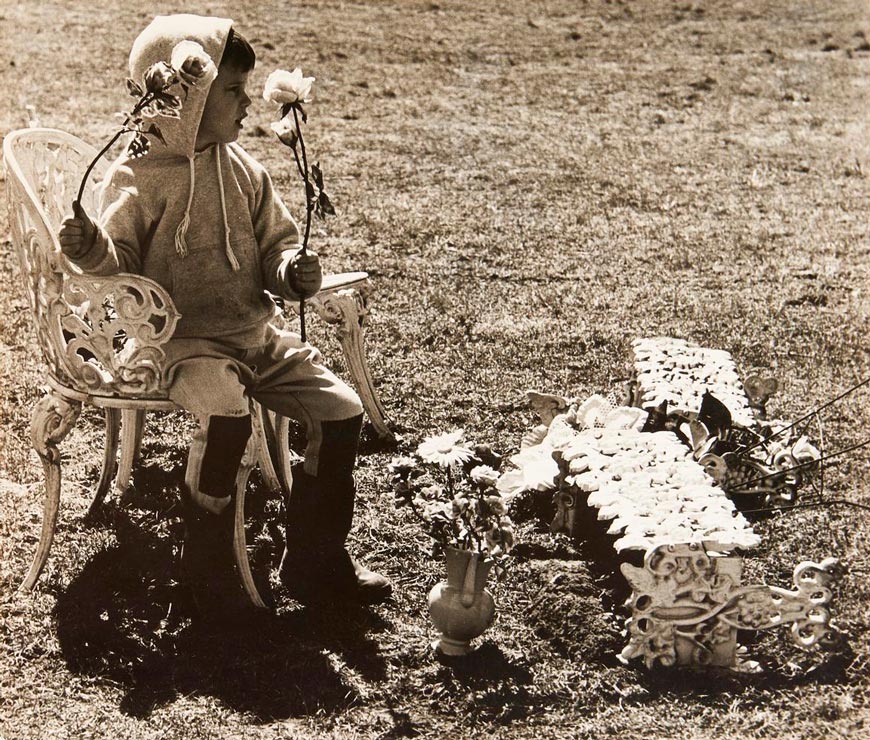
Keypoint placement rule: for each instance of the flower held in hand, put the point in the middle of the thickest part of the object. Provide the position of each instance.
(192, 63)
(189, 64)
(290, 90)
(286, 88)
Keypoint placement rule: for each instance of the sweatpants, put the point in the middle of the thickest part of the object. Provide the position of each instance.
(214, 379)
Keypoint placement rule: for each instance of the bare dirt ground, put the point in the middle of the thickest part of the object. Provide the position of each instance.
(531, 186)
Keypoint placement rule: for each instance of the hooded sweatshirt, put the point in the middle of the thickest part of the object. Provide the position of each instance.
(208, 226)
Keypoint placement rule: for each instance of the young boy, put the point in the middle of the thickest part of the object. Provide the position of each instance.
(200, 216)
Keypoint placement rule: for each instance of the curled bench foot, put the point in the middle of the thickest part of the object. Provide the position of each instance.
(52, 420)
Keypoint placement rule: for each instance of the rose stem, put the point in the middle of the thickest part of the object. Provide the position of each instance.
(143, 101)
(78, 200)
(298, 161)
(309, 206)
(309, 201)
(301, 302)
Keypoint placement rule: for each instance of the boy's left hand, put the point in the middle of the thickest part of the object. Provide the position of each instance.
(305, 275)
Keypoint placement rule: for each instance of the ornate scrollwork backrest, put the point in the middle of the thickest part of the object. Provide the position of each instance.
(98, 335)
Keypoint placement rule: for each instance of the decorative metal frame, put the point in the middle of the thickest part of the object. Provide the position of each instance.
(741, 476)
(98, 335)
(343, 302)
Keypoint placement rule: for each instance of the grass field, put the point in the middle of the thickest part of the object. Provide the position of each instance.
(530, 186)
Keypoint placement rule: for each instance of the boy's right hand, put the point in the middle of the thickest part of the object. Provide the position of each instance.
(77, 233)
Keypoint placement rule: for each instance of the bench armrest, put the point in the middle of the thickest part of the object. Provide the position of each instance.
(112, 330)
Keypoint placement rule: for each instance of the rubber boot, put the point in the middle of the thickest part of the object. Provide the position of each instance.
(207, 562)
(315, 566)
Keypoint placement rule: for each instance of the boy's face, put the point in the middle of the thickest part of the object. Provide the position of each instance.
(225, 107)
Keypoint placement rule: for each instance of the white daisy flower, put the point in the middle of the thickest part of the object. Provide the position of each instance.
(444, 449)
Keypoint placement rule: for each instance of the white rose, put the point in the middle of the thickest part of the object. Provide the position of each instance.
(283, 87)
(285, 129)
(158, 77)
(192, 62)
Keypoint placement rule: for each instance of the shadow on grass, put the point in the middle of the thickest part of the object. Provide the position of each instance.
(125, 619)
(502, 686)
(782, 666)
(485, 665)
(708, 685)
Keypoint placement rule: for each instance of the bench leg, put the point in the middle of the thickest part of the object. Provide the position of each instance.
(52, 420)
(110, 462)
(283, 454)
(263, 430)
(347, 309)
(132, 428)
(240, 549)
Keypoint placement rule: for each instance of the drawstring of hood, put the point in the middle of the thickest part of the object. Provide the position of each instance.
(234, 263)
(181, 231)
(180, 243)
(155, 44)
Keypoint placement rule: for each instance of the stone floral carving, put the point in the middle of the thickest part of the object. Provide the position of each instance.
(687, 606)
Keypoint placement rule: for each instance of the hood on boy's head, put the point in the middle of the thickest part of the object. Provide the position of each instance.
(155, 44)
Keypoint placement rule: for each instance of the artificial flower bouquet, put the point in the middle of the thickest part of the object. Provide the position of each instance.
(451, 488)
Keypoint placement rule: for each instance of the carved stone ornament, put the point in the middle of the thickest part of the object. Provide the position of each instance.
(687, 607)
